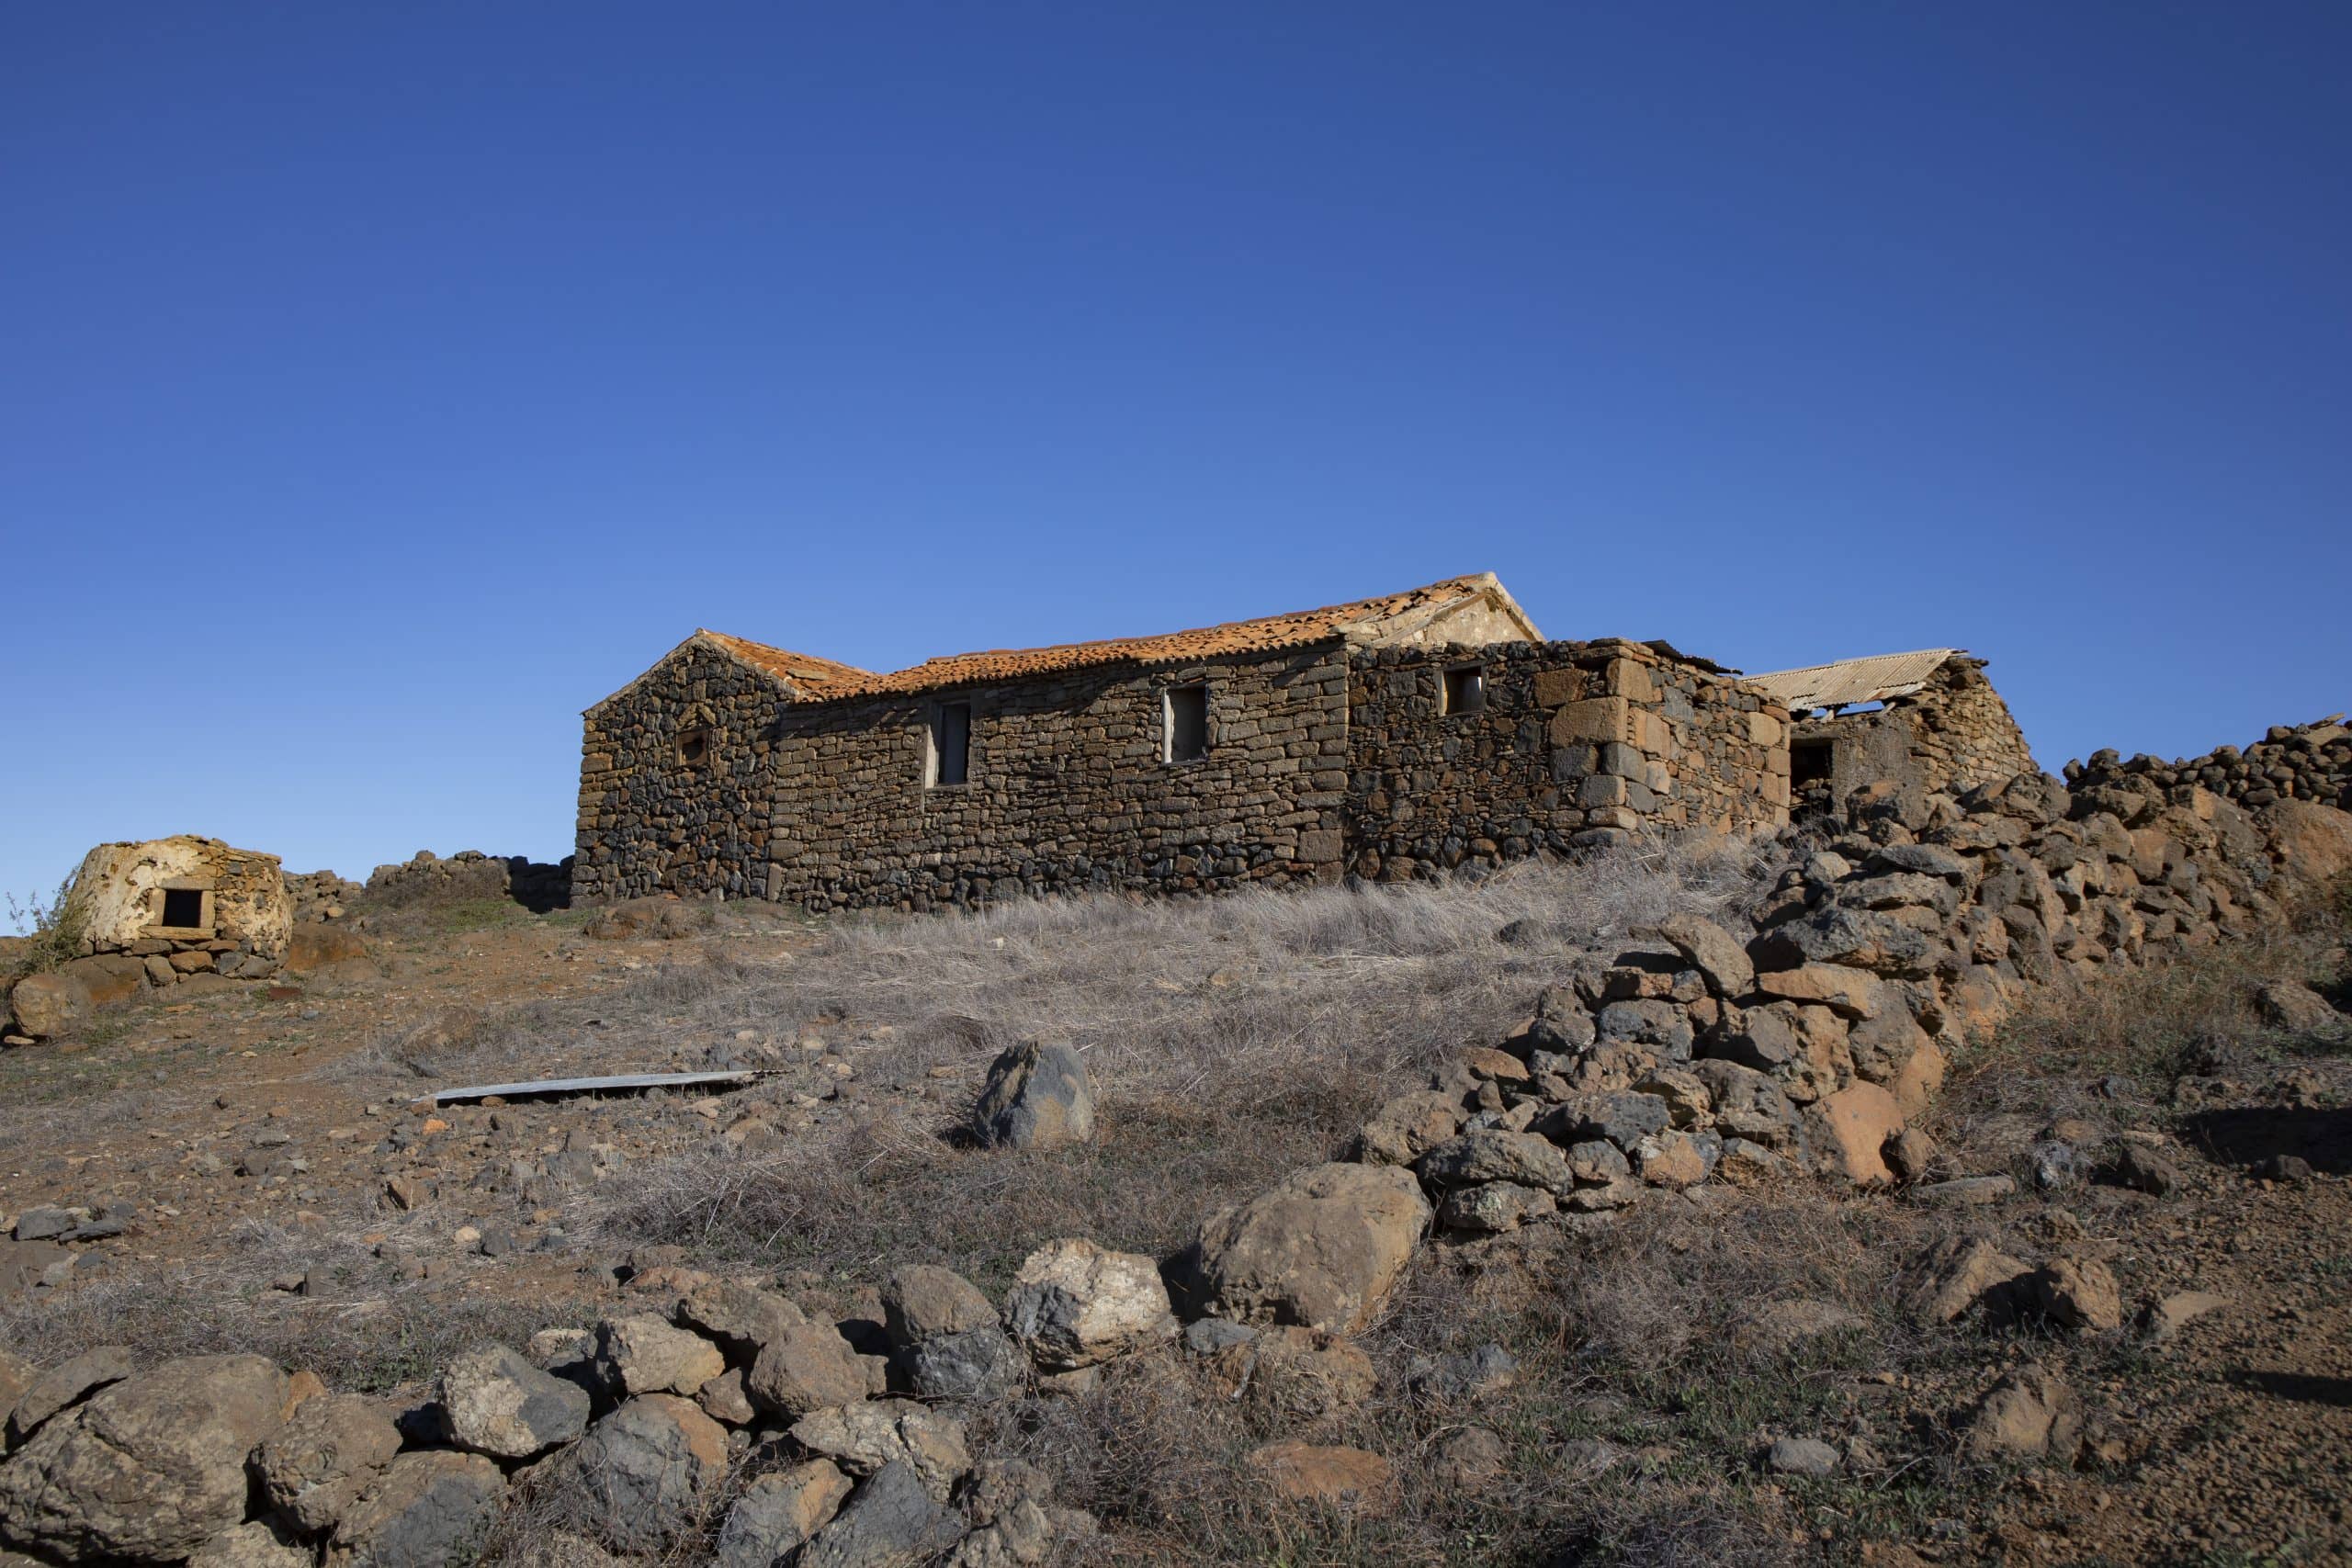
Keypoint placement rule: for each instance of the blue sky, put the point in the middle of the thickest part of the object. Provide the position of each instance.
(384, 385)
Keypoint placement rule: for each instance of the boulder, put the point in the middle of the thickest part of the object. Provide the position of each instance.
(1342, 1477)
(1492, 1208)
(1295, 1373)
(1800, 1456)
(863, 1440)
(1623, 1119)
(1849, 993)
(807, 1367)
(1036, 1096)
(893, 1521)
(17, 1375)
(1073, 1304)
(646, 1355)
(1961, 1273)
(65, 1386)
(1745, 1103)
(646, 1474)
(51, 1004)
(1849, 1130)
(431, 1506)
(1489, 1154)
(780, 1512)
(1408, 1126)
(2076, 1292)
(1321, 1249)
(260, 1543)
(2295, 1008)
(148, 1469)
(945, 1338)
(495, 1402)
(331, 1450)
(2312, 841)
(2029, 1413)
(1671, 1159)
(1715, 952)
(742, 1319)
(1859, 939)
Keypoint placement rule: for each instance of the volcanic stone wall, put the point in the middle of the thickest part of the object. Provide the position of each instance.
(1066, 789)
(653, 820)
(1954, 733)
(2305, 761)
(1574, 744)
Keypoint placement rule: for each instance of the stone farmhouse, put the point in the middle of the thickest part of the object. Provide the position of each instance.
(1387, 737)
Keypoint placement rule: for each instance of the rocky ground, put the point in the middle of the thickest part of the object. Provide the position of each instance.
(2109, 1327)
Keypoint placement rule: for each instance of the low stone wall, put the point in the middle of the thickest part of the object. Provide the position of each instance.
(2306, 762)
(428, 878)
(1572, 746)
(1067, 789)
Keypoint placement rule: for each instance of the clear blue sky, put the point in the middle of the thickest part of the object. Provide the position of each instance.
(380, 385)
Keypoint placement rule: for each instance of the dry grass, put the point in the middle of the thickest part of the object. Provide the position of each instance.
(1231, 1040)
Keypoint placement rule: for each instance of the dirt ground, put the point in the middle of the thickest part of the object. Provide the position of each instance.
(254, 1170)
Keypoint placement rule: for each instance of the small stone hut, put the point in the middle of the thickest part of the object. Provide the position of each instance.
(192, 905)
(1925, 720)
(1386, 736)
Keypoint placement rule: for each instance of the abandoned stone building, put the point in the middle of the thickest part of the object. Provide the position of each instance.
(1386, 738)
(1927, 720)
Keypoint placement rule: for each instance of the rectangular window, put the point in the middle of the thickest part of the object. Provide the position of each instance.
(1810, 761)
(183, 907)
(1465, 689)
(951, 743)
(1186, 729)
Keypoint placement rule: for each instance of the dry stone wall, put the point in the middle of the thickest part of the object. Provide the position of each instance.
(658, 813)
(2307, 761)
(1570, 746)
(1065, 788)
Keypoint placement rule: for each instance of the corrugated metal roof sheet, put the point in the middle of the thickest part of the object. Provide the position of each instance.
(1872, 680)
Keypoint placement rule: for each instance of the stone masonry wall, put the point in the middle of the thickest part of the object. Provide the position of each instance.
(1573, 745)
(1951, 734)
(1065, 788)
(650, 821)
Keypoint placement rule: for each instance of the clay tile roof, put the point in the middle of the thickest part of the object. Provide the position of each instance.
(1362, 618)
(1872, 680)
(806, 671)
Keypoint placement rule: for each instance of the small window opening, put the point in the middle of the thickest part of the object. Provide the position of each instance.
(183, 907)
(1465, 689)
(951, 742)
(1188, 723)
(1809, 764)
(694, 746)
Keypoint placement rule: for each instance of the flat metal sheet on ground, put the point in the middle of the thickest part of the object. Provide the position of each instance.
(590, 1085)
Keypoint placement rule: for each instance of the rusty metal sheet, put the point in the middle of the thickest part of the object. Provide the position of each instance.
(614, 1083)
(1871, 679)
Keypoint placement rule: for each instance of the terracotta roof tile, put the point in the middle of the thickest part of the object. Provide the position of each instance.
(815, 676)
(1263, 634)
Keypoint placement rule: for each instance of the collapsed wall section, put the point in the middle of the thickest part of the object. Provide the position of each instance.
(672, 781)
(1953, 733)
(1067, 782)
(1496, 752)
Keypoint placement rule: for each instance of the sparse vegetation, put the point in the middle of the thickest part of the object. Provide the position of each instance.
(52, 934)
